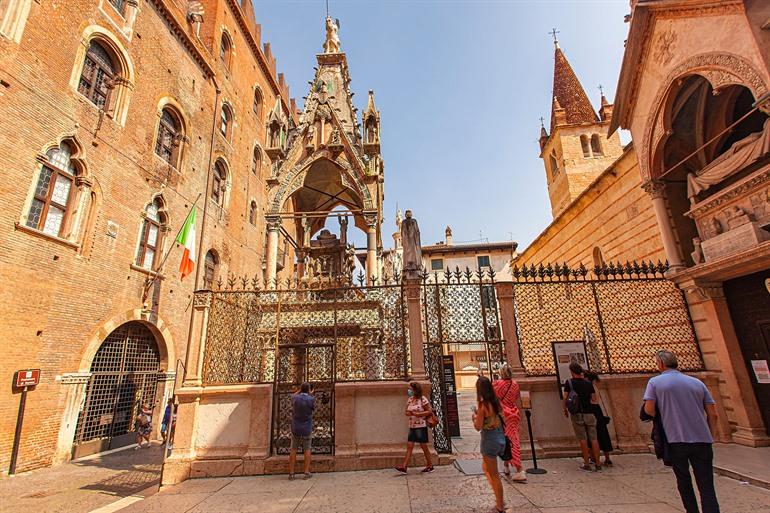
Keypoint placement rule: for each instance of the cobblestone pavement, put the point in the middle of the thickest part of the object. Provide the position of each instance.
(83, 486)
(637, 484)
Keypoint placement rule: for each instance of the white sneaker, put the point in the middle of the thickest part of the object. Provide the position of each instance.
(520, 477)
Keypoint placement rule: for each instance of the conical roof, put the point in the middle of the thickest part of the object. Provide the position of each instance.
(569, 94)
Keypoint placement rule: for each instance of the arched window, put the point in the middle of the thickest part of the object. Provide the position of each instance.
(210, 268)
(54, 193)
(585, 145)
(225, 121)
(256, 161)
(151, 237)
(98, 76)
(218, 183)
(598, 257)
(169, 137)
(225, 50)
(257, 103)
(253, 213)
(119, 5)
(596, 145)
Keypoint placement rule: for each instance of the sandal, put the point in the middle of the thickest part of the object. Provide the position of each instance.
(607, 463)
(585, 468)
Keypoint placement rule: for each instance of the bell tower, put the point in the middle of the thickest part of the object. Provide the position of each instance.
(577, 149)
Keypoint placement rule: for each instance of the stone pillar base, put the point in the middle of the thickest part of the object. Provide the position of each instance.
(752, 437)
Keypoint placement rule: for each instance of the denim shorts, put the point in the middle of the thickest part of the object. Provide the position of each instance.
(492, 442)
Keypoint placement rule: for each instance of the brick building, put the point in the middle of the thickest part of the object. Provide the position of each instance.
(118, 116)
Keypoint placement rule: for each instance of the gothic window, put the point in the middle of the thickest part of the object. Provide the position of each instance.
(218, 183)
(596, 145)
(275, 133)
(151, 236)
(257, 103)
(210, 268)
(226, 50)
(98, 76)
(225, 121)
(54, 193)
(584, 144)
(119, 5)
(256, 161)
(169, 137)
(253, 213)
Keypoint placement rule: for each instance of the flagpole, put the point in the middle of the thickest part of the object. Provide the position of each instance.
(149, 283)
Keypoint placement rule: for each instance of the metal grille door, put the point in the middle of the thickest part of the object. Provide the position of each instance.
(124, 375)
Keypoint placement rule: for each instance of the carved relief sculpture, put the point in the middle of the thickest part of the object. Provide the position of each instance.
(744, 152)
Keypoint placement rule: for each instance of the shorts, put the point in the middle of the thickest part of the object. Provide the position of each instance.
(163, 427)
(584, 425)
(301, 441)
(492, 442)
(418, 435)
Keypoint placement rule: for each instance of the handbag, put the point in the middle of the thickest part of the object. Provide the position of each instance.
(431, 420)
(507, 454)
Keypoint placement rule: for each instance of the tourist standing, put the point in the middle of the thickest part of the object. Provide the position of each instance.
(143, 426)
(302, 407)
(688, 414)
(487, 419)
(507, 391)
(418, 409)
(166, 422)
(579, 412)
(602, 420)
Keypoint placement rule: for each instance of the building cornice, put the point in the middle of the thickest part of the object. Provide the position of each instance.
(180, 31)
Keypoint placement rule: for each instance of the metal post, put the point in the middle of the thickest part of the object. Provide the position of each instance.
(534, 469)
(17, 435)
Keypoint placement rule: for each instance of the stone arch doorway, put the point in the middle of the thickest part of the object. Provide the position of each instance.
(124, 375)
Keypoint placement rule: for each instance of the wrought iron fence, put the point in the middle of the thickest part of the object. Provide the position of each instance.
(245, 327)
(624, 312)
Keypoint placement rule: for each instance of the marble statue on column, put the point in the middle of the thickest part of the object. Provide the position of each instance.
(410, 240)
(742, 153)
(332, 43)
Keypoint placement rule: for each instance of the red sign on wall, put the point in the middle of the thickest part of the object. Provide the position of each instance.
(27, 378)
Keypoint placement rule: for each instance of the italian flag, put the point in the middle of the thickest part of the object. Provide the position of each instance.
(186, 238)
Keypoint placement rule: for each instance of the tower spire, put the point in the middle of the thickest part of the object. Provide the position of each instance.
(568, 93)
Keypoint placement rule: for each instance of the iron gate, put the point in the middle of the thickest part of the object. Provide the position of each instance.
(124, 375)
(460, 311)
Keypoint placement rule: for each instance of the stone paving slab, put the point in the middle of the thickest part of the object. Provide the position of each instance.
(637, 484)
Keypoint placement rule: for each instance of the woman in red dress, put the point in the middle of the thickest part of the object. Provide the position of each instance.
(507, 391)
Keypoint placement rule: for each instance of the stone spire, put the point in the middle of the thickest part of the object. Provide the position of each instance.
(569, 95)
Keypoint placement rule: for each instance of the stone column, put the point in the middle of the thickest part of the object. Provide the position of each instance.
(508, 320)
(271, 258)
(74, 392)
(414, 315)
(371, 248)
(198, 331)
(657, 191)
(721, 351)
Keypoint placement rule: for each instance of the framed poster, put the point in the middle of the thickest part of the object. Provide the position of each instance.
(564, 353)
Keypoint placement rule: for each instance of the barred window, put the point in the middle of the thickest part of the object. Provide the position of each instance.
(119, 5)
(253, 213)
(225, 121)
(256, 161)
(54, 192)
(218, 183)
(98, 76)
(210, 268)
(151, 237)
(169, 137)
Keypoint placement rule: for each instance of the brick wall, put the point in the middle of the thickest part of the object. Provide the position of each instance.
(56, 297)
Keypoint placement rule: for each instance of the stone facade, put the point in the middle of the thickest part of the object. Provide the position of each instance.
(67, 288)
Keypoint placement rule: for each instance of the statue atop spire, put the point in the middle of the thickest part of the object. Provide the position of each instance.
(332, 43)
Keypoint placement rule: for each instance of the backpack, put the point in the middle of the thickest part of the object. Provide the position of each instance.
(574, 405)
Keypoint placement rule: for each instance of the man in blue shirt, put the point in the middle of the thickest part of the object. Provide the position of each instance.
(688, 414)
(302, 406)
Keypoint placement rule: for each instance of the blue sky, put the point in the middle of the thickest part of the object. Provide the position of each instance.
(460, 85)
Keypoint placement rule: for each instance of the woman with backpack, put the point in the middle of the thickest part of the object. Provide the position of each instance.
(487, 419)
(507, 391)
(419, 412)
